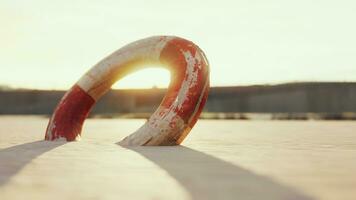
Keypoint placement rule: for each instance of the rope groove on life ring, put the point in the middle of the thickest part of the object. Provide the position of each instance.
(179, 109)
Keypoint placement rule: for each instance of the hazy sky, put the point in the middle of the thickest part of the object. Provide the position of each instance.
(51, 44)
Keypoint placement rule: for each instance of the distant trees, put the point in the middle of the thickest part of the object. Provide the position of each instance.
(5, 87)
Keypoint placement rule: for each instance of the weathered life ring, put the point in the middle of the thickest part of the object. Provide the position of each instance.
(179, 109)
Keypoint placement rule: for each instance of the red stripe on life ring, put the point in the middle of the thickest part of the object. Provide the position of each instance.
(68, 118)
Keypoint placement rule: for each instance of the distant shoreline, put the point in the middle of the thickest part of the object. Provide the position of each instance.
(326, 100)
(245, 116)
(223, 116)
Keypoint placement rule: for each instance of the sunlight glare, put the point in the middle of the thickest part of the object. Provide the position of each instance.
(152, 77)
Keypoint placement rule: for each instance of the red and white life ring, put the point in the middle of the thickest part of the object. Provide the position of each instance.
(179, 109)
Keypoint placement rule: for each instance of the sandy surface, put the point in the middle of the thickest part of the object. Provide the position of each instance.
(244, 160)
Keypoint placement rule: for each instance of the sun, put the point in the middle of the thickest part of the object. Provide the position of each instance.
(150, 77)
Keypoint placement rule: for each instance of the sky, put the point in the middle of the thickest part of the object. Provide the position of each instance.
(51, 44)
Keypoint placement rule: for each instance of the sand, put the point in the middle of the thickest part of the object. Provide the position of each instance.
(227, 159)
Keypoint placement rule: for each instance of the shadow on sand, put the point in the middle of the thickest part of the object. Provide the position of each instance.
(203, 176)
(206, 177)
(14, 158)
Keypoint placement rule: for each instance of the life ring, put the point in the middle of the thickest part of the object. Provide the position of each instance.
(179, 109)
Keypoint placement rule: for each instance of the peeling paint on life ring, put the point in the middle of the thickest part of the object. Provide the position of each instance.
(179, 109)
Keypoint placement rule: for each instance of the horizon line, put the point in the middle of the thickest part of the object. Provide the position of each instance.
(5, 87)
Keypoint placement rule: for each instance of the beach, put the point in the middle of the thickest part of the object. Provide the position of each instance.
(220, 159)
